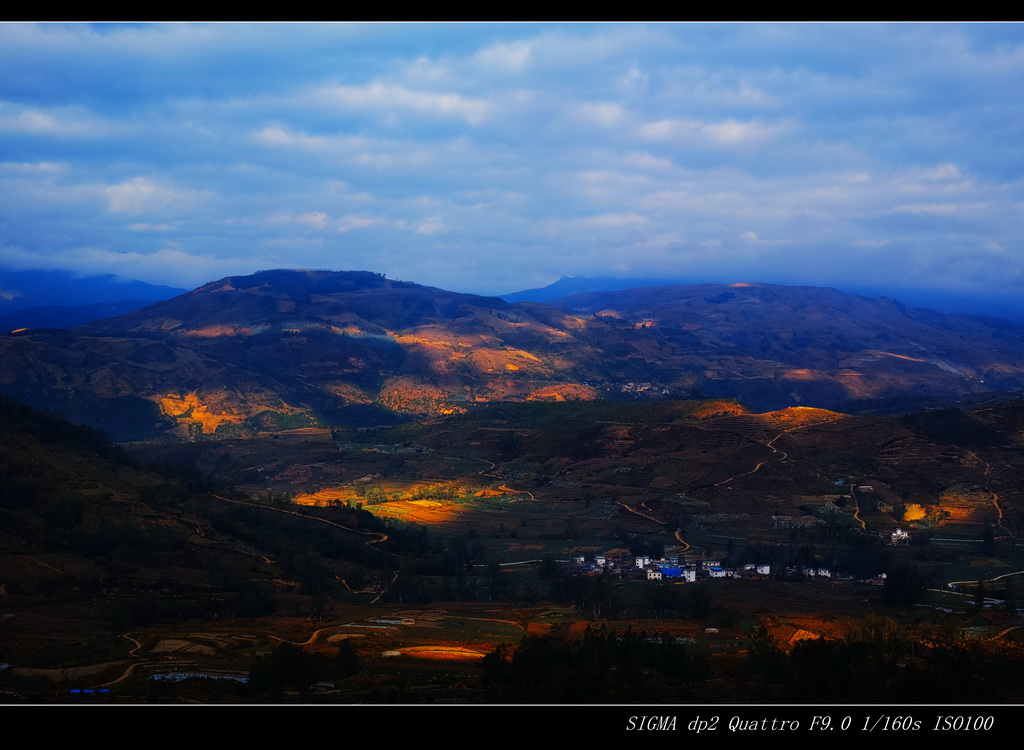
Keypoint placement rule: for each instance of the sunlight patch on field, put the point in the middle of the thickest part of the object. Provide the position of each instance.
(326, 496)
(914, 512)
(958, 505)
(429, 512)
(437, 652)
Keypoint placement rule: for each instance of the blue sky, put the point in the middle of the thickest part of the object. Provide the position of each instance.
(496, 157)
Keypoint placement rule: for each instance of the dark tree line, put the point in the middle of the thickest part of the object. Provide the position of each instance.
(603, 666)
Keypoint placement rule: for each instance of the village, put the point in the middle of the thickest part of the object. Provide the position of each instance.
(691, 567)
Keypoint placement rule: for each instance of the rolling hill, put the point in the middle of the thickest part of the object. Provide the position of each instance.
(287, 348)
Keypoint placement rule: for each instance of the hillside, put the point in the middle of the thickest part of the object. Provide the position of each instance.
(772, 345)
(285, 349)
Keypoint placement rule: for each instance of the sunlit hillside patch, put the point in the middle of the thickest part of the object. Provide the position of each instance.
(958, 509)
(857, 384)
(791, 418)
(801, 373)
(409, 395)
(426, 512)
(871, 354)
(430, 337)
(564, 392)
(1004, 369)
(188, 409)
(787, 631)
(327, 496)
(546, 395)
(800, 416)
(448, 505)
(431, 504)
(960, 506)
(215, 331)
(718, 408)
(348, 392)
(914, 512)
(488, 359)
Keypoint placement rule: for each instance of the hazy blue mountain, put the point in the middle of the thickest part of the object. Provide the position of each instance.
(1007, 306)
(64, 316)
(20, 290)
(569, 285)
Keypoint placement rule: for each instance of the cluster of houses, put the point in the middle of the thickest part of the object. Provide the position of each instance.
(621, 563)
(692, 569)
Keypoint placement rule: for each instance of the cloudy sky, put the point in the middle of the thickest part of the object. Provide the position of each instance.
(496, 157)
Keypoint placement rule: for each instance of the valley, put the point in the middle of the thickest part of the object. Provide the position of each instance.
(337, 488)
(424, 548)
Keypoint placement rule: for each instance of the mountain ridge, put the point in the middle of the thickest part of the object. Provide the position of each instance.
(292, 348)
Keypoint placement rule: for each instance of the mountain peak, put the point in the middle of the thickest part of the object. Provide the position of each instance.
(309, 280)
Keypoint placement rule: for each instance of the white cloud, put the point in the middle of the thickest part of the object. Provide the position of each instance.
(431, 226)
(388, 97)
(164, 266)
(509, 57)
(43, 167)
(544, 150)
(602, 113)
(143, 195)
(35, 121)
(315, 219)
(617, 220)
(729, 132)
(349, 223)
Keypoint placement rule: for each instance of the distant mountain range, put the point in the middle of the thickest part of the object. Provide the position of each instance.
(287, 348)
(60, 299)
(1008, 306)
(569, 285)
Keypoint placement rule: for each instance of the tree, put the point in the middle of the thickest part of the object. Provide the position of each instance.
(346, 661)
(287, 666)
(764, 656)
(904, 586)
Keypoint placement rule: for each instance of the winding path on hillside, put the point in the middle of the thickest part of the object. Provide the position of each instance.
(995, 496)
(381, 536)
(686, 545)
(771, 444)
(856, 513)
(642, 515)
(487, 473)
(677, 533)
